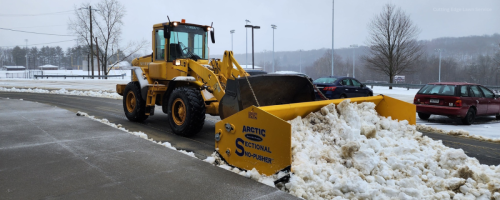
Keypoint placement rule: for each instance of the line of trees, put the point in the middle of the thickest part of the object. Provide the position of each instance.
(71, 58)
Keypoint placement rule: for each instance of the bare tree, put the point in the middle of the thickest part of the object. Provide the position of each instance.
(107, 22)
(392, 41)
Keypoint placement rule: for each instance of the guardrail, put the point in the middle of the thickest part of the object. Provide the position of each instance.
(79, 76)
(495, 88)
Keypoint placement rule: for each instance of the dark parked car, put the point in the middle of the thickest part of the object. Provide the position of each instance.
(339, 87)
(456, 100)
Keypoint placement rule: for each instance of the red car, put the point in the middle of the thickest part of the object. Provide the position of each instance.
(456, 100)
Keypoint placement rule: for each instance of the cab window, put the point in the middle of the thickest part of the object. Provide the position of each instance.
(160, 45)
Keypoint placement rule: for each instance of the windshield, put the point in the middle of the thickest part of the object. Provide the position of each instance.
(325, 80)
(438, 89)
(188, 42)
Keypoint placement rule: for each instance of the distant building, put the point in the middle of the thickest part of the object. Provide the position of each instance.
(15, 68)
(48, 67)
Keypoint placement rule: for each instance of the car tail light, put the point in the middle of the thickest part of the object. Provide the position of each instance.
(330, 88)
(458, 103)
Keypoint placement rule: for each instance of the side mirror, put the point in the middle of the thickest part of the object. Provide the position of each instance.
(166, 32)
(212, 35)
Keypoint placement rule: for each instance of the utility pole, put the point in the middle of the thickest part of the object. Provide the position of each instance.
(91, 38)
(333, 17)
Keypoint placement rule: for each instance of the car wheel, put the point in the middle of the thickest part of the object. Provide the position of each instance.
(498, 116)
(469, 118)
(424, 116)
(343, 96)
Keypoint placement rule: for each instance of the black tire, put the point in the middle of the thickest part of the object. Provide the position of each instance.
(188, 116)
(136, 108)
(343, 96)
(469, 118)
(424, 116)
(498, 116)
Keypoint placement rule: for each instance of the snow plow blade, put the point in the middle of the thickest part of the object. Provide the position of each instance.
(269, 89)
(261, 137)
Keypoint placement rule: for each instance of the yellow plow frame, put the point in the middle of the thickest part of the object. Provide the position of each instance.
(260, 137)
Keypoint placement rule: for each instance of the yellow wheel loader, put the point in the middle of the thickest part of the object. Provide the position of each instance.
(253, 131)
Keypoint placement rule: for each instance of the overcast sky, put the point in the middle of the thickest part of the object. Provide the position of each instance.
(302, 24)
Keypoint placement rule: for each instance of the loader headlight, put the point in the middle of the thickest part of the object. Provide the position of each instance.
(208, 28)
(177, 62)
(175, 23)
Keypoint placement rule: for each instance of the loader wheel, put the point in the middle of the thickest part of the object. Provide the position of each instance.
(133, 104)
(424, 116)
(186, 111)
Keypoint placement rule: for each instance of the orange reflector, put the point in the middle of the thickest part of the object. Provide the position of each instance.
(458, 103)
(183, 21)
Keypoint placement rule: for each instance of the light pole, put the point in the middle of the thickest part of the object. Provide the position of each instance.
(273, 27)
(246, 42)
(232, 31)
(333, 17)
(354, 46)
(300, 62)
(439, 50)
(252, 27)
(26, 54)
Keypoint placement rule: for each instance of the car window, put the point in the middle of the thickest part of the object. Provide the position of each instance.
(346, 82)
(475, 91)
(464, 92)
(355, 83)
(487, 93)
(438, 89)
(325, 80)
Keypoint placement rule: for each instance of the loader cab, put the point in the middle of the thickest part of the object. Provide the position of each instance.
(181, 41)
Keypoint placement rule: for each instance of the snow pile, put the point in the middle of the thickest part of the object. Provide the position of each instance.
(348, 151)
(89, 93)
(459, 132)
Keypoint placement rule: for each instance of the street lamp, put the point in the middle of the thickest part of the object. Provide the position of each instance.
(246, 42)
(232, 31)
(300, 62)
(273, 27)
(439, 50)
(353, 47)
(26, 54)
(252, 27)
